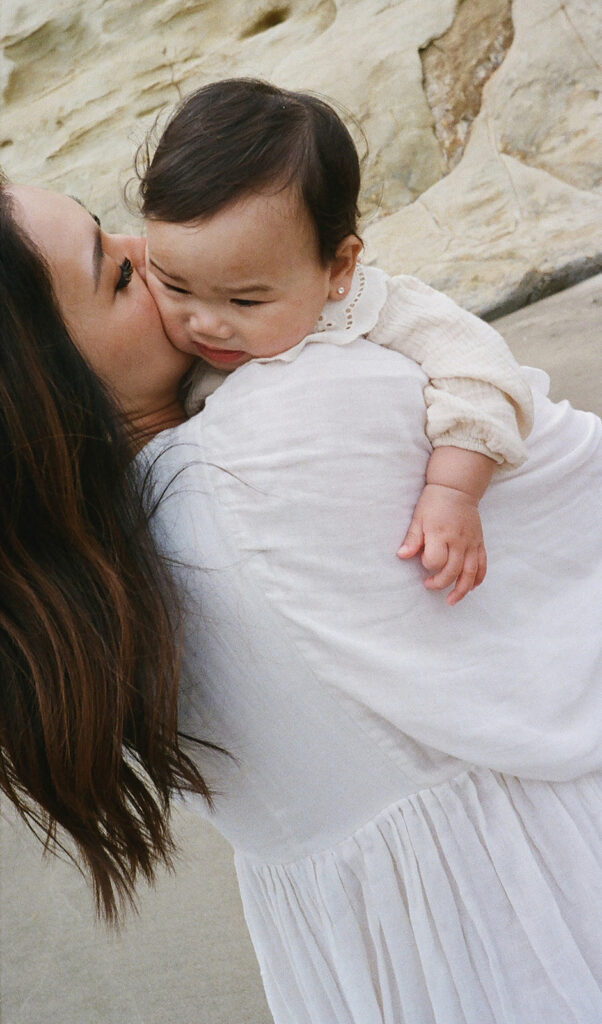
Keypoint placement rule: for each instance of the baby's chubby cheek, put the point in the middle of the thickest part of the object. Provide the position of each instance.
(171, 326)
(176, 332)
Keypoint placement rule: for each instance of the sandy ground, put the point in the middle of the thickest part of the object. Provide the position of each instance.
(186, 959)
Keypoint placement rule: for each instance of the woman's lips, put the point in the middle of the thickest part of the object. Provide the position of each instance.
(219, 355)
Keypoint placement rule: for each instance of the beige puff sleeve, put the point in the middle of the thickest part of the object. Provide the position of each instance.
(477, 397)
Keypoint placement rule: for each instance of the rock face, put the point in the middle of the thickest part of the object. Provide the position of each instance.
(457, 65)
(483, 117)
(520, 214)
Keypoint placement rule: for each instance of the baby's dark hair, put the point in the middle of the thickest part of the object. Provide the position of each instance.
(242, 135)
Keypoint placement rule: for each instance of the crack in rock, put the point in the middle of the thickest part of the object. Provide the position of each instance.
(457, 65)
(538, 284)
(270, 18)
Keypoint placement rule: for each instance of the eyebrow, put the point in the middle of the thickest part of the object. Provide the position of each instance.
(174, 277)
(241, 290)
(97, 257)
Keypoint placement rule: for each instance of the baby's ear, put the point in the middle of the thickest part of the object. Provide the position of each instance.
(343, 266)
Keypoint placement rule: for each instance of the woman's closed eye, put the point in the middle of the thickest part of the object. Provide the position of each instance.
(125, 274)
(246, 302)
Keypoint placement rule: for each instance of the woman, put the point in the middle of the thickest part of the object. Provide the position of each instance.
(413, 792)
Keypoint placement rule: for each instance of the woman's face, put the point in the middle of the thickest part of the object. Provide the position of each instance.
(106, 305)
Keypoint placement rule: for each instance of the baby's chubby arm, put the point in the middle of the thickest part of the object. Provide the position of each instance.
(479, 410)
(446, 525)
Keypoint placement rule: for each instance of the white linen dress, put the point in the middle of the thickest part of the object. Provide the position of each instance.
(414, 793)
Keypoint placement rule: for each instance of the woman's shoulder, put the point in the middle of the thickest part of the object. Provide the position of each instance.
(328, 392)
(277, 424)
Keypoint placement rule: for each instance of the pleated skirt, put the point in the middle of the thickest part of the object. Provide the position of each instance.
(478, 901)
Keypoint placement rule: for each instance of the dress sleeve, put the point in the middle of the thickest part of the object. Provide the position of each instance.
(476, 397)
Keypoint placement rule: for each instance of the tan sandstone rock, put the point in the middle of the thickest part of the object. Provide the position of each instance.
(482, 117)
(521, 213)
(82, 81)
(457, 65)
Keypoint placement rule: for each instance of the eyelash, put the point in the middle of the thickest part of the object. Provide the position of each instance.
(172, 288)
(125, 276)
(245, 303)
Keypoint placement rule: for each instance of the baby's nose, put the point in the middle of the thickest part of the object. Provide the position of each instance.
(206, 322)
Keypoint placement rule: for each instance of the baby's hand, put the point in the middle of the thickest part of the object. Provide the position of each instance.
(447, 525)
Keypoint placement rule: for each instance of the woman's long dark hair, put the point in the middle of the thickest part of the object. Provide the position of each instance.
(88, 639)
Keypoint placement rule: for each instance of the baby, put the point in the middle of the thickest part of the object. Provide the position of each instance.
(252, 253)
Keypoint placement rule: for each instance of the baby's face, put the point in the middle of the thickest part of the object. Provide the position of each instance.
(243, 283)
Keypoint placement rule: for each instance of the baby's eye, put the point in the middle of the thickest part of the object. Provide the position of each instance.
(125, 276)
(245, 302)
(173, 288)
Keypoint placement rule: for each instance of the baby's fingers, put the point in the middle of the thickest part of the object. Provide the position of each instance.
(437, 554)
(446, 575)
(467, 580)
(482, 566)
(412, 542)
